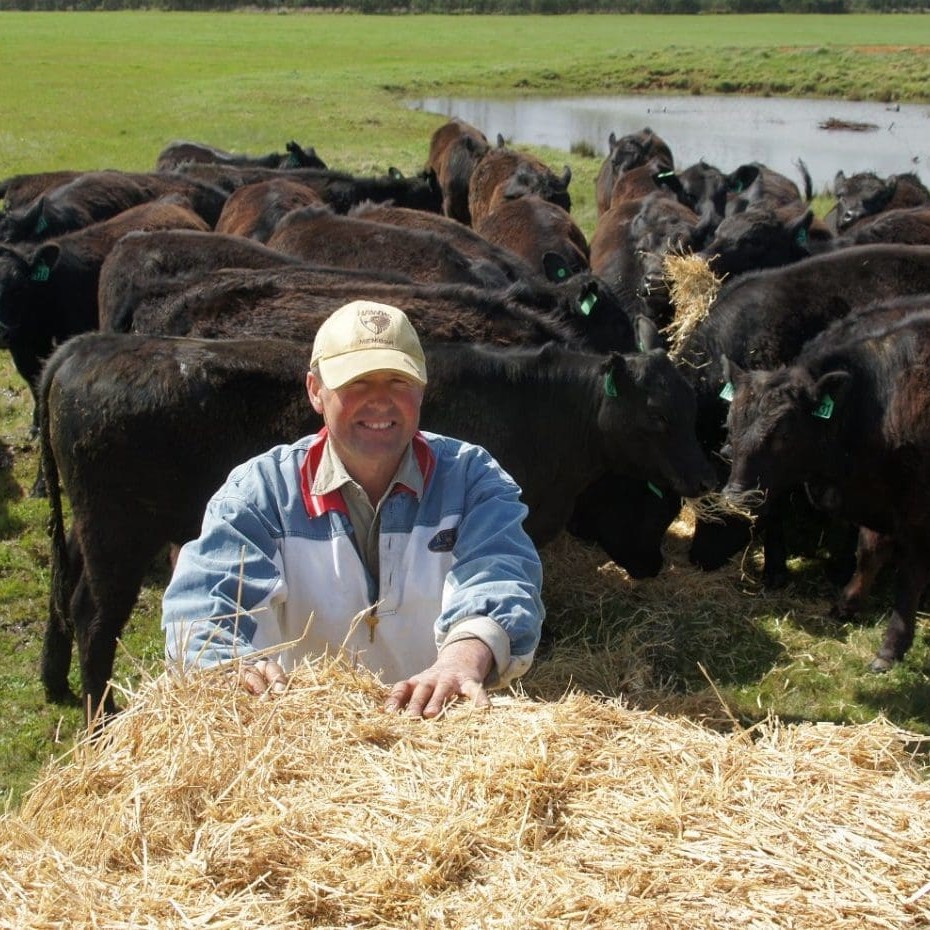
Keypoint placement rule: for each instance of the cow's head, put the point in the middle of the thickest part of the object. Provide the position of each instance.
(647, 422)
(23, 273)
(860, 195)
(779, 426)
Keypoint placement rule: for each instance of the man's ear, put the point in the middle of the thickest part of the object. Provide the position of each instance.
(313, 392)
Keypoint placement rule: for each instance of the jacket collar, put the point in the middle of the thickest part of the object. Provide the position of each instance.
(318, 504)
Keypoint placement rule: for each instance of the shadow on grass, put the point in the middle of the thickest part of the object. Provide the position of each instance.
(10, 525)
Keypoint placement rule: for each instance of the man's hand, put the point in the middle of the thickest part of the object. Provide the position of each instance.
(260, 676)
(459, 671)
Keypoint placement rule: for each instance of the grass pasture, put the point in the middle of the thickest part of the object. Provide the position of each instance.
(110, 90)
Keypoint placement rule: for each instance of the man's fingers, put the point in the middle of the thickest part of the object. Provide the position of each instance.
(258, 677)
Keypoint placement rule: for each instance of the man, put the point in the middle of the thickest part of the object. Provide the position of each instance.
(417, 538)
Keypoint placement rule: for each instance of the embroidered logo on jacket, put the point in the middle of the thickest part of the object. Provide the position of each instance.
(443, 541)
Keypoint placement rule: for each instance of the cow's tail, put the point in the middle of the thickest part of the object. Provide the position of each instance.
(60, 562)
(808, 182)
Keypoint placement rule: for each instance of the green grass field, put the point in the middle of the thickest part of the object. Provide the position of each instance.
(110, 90)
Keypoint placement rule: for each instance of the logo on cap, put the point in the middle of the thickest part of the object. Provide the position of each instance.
(375, 321)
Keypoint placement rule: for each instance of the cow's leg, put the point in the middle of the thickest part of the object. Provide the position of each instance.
(774, 545)
(57, 646)
(58, 642)
(115, 567)
(913, 573)
(872, 554)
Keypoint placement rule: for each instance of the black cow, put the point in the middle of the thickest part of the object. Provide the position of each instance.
(764, 237)
(337, 189)
(624, 153)
(504, 174)
(288, 303)
(455, 148)
(865, 194)
(904, 225)
(757, 184)
(323, 237)
(184, 153)
(172, 417)
(254, 210)
(762, 319)
(704, 189)
(48, 290)
(140, 261)
(19, 190)
(95, 196)
(851, 417)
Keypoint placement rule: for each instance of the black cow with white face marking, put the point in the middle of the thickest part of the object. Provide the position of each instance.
(171, 417)
(851, 417)
(865, 194)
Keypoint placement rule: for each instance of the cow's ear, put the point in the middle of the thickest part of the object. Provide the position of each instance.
(43, 261)
(838, 179)
(33, 220)
(732, 373)
(555, 267)
(501, 141)
(800, 227)
(616, 375)
(566, 178)
(647, 334)
(612, 139)
(829, 391)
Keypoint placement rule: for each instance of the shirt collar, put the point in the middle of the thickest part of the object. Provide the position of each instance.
(323, 474)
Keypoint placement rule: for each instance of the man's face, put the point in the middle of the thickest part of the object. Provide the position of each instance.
(370, 419)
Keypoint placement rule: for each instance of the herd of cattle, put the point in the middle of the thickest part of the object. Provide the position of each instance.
(162, 321)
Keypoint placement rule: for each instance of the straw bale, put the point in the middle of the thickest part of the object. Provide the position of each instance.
(200, 806)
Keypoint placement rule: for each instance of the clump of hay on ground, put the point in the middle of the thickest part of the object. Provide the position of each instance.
(692, 288)
(203, 807)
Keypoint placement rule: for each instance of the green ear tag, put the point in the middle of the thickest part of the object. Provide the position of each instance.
(610, 386)
(801, 236)
(562, 272)
(665, 174)
(41, 225)
(587, 305)
(654, 489)
(727, 392)
(825, 408)
(41, 272)
(291, 161)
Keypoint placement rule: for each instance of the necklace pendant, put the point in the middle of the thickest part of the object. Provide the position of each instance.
(372, 621)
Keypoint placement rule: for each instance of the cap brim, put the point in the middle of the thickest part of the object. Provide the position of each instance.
(339, 370)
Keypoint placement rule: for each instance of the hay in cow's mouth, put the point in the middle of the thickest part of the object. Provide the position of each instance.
(693, 288)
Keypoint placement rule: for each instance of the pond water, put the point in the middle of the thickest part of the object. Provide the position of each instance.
(725, 131)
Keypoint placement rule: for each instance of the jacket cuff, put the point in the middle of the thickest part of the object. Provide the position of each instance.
(493, 636)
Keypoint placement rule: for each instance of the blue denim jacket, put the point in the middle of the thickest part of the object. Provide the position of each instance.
(276, 570)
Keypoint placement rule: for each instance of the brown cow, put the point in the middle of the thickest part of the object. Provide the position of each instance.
(318, 235)
(504, 174)
(255, 209)
(629, 151)
(455, 148)
(541, 233)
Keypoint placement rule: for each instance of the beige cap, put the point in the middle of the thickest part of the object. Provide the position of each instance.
(364, 336)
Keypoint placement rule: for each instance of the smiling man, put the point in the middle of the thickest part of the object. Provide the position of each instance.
(405, 548)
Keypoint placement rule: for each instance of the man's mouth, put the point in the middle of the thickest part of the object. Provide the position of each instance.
(377, 424)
